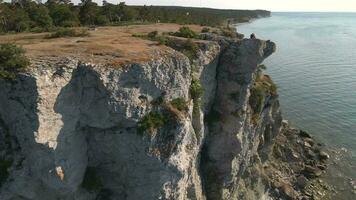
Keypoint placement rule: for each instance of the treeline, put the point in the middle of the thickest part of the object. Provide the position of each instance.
(28, 15)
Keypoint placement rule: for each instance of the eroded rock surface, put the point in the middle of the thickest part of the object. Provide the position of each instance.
(72, 128)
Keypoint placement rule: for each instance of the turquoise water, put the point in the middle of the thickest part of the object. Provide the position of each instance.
(315, 70)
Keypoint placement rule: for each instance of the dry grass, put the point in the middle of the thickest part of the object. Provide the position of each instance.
(106, 45)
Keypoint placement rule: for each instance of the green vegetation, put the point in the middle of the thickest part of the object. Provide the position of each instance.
(186, 32)
(205, 30)
(152, 121)
(256, 99)
(154, 36)
(12, 60)
(91, 181)
(264, 86)
(196, 92)
(180, 104)
(68, 32)
(188, 47)
(28, 15)
(4, 166)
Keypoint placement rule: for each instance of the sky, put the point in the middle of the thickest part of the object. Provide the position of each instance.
(273, 5)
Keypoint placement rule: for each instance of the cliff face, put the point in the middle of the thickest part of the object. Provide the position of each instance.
(72, 130)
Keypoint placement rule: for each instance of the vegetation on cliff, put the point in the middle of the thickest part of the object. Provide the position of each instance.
(263, 87)
(27, 15)
(152, 121)
(12, 60)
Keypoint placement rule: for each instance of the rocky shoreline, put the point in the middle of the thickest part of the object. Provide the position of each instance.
(295, 165)
(290, 169)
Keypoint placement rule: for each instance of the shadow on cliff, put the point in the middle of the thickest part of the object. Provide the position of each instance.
(20, 123)
(76, 103)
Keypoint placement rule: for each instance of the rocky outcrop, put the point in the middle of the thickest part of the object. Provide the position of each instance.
(82, 131)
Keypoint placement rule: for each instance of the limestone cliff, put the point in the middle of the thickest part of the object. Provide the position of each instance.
(72, 130)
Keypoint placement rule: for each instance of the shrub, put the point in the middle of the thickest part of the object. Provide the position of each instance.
(256, 99)
(196, 92)
(186, 32)
(152, 34)
(190, 49)
(180, 104)
(91, 181)
(205, 30)
(68, 32)
(151, 122)
(12, 60)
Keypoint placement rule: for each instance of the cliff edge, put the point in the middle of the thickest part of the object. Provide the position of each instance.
(163, 127)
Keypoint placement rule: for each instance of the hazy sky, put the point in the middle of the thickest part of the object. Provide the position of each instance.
(273, 5)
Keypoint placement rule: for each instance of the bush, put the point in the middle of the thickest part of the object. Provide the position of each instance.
(152, 121)
(262, 67)
(186, 32)
(68, 32)
(152, 34)
(196, 92)
(12, 60)
(91, 181)
(205, 30)
(190, 49)
(180, 104)
(256, 99)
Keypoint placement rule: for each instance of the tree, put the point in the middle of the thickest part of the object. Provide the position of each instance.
(14, 18)
(144, 12)
(62, 15)
(88, 12)
(39, 14)
(12, 60)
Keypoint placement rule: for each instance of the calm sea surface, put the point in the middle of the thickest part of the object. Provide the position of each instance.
(315, 70)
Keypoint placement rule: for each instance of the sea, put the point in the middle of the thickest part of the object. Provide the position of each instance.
(314, 68)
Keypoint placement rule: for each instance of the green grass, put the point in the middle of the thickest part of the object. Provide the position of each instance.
(12, 60)
(68, 32)
(91, 181)
(151, 122)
